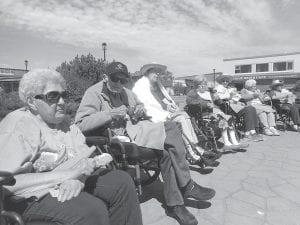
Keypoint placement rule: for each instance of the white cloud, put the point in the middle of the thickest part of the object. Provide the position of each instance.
(190, 36)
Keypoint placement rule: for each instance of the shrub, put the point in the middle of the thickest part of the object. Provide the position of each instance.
(9, 102)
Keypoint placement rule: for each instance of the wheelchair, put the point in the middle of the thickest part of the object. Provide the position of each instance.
(204, 126)
(140, 162)
(9, 217)
(238, 120)
(282, 114)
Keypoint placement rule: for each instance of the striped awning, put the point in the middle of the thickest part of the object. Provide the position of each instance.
(265, 76)
(10, 78)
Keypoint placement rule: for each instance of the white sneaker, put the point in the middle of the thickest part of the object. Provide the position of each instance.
(274, 131)
(268, 132)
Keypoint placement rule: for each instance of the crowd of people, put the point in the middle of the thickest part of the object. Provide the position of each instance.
(59, 178)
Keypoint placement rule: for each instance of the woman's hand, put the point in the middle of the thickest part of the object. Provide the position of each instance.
(139, 111)
(69, 189)
(172, 108)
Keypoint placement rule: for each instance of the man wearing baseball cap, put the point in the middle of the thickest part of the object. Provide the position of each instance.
(106, 104)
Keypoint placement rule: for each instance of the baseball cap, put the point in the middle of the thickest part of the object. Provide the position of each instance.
(116, 67)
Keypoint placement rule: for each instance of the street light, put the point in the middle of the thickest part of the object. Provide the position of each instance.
(104, 50)
(214, 77)
(26, 64)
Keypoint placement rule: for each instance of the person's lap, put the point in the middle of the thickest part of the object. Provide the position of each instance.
(90, 207)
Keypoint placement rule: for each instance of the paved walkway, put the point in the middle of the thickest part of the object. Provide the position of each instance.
(257, 187)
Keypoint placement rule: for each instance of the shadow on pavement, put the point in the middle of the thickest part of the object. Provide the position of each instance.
(202, 171)
(197, 204)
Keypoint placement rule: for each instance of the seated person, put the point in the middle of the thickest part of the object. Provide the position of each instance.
(55, 178)
(227, 93)
(287, 100)
(265, 113)
(200, 95)
(161, 107)
(105, 105)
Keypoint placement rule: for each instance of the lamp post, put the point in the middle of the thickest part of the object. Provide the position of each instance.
(104, 45)
(26, 64)
(214, 77)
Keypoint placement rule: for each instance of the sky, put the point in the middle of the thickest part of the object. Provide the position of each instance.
(189, 36)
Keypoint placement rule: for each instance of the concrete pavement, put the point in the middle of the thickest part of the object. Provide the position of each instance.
(258, 187)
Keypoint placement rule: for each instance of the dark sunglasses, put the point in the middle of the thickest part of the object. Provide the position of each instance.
(53, 96)
(118, 79)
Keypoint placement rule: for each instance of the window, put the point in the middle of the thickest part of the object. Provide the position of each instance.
(262, 67)
(283, 66)
(243, 69)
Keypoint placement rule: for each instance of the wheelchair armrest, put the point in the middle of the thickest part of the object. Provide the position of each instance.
(7, 178)
(131, 152)
(102, 139)
(96, 140)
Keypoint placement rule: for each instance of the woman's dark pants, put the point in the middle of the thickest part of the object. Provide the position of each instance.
(109, 198)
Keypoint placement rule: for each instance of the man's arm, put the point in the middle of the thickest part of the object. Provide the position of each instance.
(90, 115)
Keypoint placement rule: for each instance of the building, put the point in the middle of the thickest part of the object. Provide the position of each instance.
(210, 77)
(10, 78)
(264, 69)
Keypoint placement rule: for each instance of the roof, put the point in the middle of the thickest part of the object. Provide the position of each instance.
(262, 56)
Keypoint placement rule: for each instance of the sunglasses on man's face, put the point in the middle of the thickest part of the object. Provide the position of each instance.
(118, 79)
(53, 96)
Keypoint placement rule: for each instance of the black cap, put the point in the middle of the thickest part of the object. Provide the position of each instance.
(116, 67)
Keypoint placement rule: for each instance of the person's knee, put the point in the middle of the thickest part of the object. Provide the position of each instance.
(122, 179)
(93, 212)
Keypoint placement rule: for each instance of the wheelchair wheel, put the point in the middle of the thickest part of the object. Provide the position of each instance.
(149, 172)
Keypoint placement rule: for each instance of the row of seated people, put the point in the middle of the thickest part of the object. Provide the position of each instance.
(56, 172)
(58, 178)
(277, 100)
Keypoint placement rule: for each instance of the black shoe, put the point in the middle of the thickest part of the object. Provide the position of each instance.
(182, 215)
(212, 155)
(197, 192)
(208, 162)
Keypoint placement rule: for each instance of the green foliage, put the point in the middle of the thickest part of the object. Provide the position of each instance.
(80, 73)
(180, 89)
(9, 102)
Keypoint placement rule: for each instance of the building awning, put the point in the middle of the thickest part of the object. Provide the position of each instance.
(10, 78)
(266, 76)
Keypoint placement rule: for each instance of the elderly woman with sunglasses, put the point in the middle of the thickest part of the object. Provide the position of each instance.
(107, 104)
(252, 95)
(57, 180)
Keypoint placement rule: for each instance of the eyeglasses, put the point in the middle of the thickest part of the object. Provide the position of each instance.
(118, 79)
(53, 96)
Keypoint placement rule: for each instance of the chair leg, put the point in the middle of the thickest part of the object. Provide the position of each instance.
(138, 178)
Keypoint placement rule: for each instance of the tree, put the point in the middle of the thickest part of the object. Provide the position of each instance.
(80, 73)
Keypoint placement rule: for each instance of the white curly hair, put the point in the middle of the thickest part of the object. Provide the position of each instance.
(35, 81)
(250, 83)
